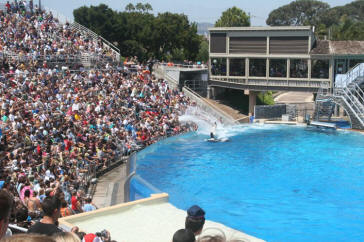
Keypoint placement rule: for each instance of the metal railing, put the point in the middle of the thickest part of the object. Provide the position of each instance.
(61, 18)
(347, 92)
(342, 80)
(49, 58)
(358, 92)
(178, 66)
(352, 107)
(89, 32)
(353, 103)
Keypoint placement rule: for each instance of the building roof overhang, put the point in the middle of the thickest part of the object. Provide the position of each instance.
(338, 48)
(264, 28)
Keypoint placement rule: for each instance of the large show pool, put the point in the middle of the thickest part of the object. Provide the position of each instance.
(278, 183)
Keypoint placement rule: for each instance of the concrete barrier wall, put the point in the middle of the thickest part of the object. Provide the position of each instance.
(270, 111)
(208, 107)
(294, 110)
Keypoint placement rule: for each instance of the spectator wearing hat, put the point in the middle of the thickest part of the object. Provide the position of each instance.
(195, 219)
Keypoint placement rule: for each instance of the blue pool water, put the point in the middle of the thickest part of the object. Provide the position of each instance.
(278, 183)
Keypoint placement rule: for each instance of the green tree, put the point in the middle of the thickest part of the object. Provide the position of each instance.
(265, 98)
(100, 19)
(140, 7)
(130, 7)
(171, 31)
(148, 7)
(142, 34)
(203, 53)
(347, 29)
(233, 17)
(299, 12)
(353, 11)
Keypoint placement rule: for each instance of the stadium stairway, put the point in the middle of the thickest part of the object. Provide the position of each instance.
(346, 93)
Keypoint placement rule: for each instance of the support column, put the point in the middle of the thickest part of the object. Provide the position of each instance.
(252, 102)
(247, 67)
(331, 72)
(213, 92)
(209, 89)
(309, 65)
(247, 70)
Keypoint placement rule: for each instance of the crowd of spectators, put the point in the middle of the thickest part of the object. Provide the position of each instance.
(33, 35)
(56, 123)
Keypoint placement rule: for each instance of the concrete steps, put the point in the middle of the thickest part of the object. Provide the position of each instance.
(235, 114)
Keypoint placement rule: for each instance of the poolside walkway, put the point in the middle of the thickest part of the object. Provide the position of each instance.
(294, 97)
(110, 188)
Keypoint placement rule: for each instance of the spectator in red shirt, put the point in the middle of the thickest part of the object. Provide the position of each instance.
(76, 205)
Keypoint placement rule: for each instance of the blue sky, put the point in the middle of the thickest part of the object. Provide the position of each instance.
(196, 10)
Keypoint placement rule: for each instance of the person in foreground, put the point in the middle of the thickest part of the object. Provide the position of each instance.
(195, 219)
(28, 238)
(184, 235)
(6, 204)
(51, 207)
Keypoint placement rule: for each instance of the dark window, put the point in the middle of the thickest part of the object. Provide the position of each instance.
(354, 62)
(257, 67)
(218, 66)
(320, 69)
(237, 67)
(218, 43)
(341, 66)
(278, 68)
(299, 68)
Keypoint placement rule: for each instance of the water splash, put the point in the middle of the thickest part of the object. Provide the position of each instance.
(205, 122)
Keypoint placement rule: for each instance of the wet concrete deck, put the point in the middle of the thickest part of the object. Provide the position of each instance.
(110, 188)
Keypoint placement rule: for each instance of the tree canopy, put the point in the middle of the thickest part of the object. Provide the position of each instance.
(338, 23)
(299, 12)
(140, 33)
(233, 17)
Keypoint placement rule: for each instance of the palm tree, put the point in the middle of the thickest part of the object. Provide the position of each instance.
(130, 7)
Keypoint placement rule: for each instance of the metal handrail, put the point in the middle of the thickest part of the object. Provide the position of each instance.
(354, 99)
(96, 36)
(183, 66)
(350, 76)
(351, 108)
(359, 92)
(348, 90)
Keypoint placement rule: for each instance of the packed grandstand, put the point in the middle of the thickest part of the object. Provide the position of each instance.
(61, 118)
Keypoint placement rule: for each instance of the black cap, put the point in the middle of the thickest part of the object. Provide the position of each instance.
(196, 212)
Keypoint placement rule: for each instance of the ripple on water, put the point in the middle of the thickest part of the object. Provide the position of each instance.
(278, 183)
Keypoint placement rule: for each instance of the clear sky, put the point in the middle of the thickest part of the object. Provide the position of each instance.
(196, 10)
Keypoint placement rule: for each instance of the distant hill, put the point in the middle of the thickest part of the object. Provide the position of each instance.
(202, 28)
